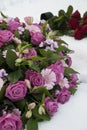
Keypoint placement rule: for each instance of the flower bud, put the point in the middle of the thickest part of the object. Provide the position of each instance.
(31, 105)
(19, 60)
(29, 114)
(28, 20)
(28, 83)
(41, 110)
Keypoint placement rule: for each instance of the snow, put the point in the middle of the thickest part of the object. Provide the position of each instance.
(72, 115)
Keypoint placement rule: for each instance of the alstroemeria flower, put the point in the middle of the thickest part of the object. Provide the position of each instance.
(50, 78)
(64, 82)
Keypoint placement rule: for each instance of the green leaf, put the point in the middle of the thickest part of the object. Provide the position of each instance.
(16, 33)
(2, 92)
(26, 35)
(32, 124)
(36, 58)
(62, 41)
(3, 25)
(46, 15)
(61, 12)
(4, 16)
(33, 66)
(73, 90)
(14, 76)
(10, 46)
(40, 117)
(69, 71)
(1, 59)
(69, 11)
(42, 90)
(44, 28)
(20, 104)
(10, 59)
(64, 49)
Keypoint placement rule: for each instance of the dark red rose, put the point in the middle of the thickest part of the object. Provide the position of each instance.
(84, 29)
(85, 19)
(79, 33)
(76, 15)
(73, 23)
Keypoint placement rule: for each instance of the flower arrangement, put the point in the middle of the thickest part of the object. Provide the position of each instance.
(68, 23)
(35, 73)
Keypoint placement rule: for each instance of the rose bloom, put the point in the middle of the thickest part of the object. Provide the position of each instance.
(37, 38)
(35, 78)
(76, 14)
(84, 27)
(63, 95)
(10, 122)
(16, 91)
(79, 33)
(85, 19)
(13, 24)
(28, 52)
(51, 106)
(5, 36)
(73, 23)
(73, 80)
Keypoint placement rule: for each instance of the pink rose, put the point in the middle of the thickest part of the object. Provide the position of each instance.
(37, 38)
(16, 91)
(5, 36)
(13, 24)
(10, 122)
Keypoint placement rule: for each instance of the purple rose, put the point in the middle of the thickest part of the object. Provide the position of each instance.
(35, 78)
(5, 36)
(58, 69)
(51, 106)
(10, 122)
(1, 44)
(37, 38)
(63, 95)
(73, 80)
(30, 52)
(16, 91)
(14, 24)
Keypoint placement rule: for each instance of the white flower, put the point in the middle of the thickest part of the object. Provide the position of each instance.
(1, 83)
(50, 78)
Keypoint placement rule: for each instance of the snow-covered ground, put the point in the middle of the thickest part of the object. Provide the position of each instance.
(72, 115)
